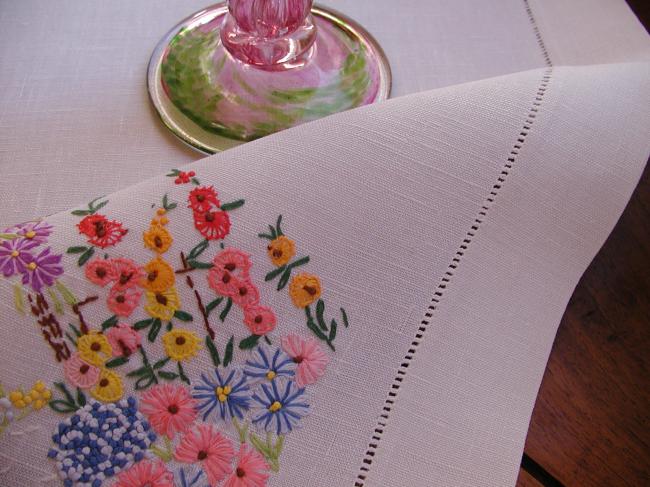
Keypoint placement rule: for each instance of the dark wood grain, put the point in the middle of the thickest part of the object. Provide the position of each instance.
(527, 480)
(591, 423)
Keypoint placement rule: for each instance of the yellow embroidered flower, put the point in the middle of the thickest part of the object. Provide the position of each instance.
(162, 304)
(304, 289)
(94, 348)
(180, 344)
(18, 399)
(157, 238)
(159, 275)
(109, 388)
(40, 395)
(281, 250)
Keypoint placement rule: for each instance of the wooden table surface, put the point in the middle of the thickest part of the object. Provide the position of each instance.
(591, 423)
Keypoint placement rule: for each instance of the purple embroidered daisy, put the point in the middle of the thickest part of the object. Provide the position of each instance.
(42, 270)
(15, 255)
(33, 231)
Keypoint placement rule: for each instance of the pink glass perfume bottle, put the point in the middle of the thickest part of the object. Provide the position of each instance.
(239, 71)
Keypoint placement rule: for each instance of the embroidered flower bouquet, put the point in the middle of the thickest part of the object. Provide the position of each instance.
(136, 407)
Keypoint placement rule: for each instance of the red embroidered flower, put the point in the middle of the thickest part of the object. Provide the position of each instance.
(246, 294)
(260, 320)
(203, 198)
(101, 231)
(235, 261)
(127, 273)
(184, 177)
(213, 225)
(223, 282)
(100, 271)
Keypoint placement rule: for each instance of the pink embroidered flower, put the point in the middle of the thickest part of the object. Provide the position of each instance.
(251, 469)
(260, 320)
(212, 224)
(101, 232)
(127, 273)
(169, 408)
(309, 356)
(124, 340)
(100, 271)
(146, 473)
(235, 261)
(223, 282)
(203, 198)
(123, 302)
(79, 373)
(205, 445)
(246, 293)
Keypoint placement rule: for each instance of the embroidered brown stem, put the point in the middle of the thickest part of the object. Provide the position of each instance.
(83, 327)
(199, 301)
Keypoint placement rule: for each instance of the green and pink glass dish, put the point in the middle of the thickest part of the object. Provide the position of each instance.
(235, 72)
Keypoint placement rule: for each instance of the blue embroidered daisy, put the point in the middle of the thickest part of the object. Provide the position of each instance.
(281, 405)
(227, 391)
(268, 363)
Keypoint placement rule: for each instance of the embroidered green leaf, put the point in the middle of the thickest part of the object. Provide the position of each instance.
(80, 212)
(232, 205)
(153, 331)
(274, 273)
(278, 229)
(284, 279)
(81, 398)
(144, 370)
(212, 305)
(198, 250)
(76, 250)
(167, 205)
(344, 315)
(161, 363)
(163, 374)
(93, 208)
(225, 310)
(75, 330)
(116, 362)
(61, 406)
(227, 356)
(182, 315)
(109, 323)
(249, 342)
(8, 236)
(146, 381)
(242, 430)
(61, 386)
(200, 265)
(267, 339)
(320, 309)
(333, 327)
(214, 353)
(169, 326)
(58, 307)
(195, 181)
(19, 301)
(299, 262)
(85, 256)
(71, 339)
(142, 324)
(67, 295)
(265, 235)
(181, 374)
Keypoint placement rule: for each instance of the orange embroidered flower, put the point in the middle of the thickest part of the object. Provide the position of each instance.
(304, 289)
(281, 250)
(158, 275)
(157, 238)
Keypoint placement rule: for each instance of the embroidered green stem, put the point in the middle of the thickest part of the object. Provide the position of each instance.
(321, 330)
(242, 430)
(166, 453)
(270, 451)
(67, 295)
(8, 236)
(19, 301)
